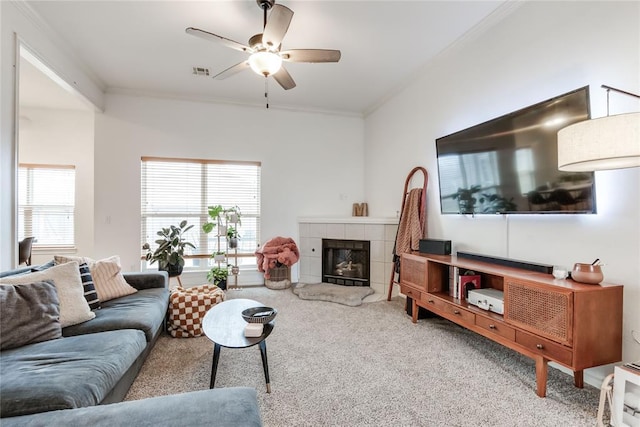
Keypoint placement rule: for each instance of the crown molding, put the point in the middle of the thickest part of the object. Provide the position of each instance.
(226, 101)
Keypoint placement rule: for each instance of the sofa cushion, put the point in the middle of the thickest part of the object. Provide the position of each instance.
(30, 313)
(42, 267)
(65, 373)
(234, 406)
(90, 293)
(66, 277)
(107, 275)
(144, 310)
(16, 271)
(109, 281)
(63, 259)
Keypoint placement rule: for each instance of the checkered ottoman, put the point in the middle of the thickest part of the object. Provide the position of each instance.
(187, 308)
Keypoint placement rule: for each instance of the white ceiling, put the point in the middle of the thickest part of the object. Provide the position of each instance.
(141, 47)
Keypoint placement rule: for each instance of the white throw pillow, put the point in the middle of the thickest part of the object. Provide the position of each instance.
(107, 276)
(74, 308)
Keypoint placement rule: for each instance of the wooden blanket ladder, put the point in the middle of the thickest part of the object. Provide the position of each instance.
(421, 213)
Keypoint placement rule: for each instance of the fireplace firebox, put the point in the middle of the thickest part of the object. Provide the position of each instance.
(345, 262)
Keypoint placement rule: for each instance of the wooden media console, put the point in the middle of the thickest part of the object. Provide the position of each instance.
(575, 325)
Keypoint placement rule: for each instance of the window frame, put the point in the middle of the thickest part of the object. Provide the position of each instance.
(202, 215)
(26, 210)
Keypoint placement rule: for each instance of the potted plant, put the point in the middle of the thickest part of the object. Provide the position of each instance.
(232, 235)
(466, 201)
(219, 256)
(170, 251)
(214, 213)
(233, 215)
(218, 276)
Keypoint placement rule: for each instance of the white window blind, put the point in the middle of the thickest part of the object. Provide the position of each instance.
(173, 190)
(46, 204)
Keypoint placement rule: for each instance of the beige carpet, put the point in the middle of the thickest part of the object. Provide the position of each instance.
(331, 364)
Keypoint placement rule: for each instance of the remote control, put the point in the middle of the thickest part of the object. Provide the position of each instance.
(263, 314)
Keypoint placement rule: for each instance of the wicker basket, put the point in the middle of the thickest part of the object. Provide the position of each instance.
(279, 278)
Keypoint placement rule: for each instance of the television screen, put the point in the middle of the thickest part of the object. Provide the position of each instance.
(509, 165)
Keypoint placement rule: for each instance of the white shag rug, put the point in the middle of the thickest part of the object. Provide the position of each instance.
(346, 295)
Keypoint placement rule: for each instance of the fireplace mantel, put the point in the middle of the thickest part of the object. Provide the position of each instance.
(347, 220)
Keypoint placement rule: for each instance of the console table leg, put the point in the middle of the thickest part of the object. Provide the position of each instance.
(265, 366)
(541, 376)
(414, 311)
(214, 364)
(578, 378)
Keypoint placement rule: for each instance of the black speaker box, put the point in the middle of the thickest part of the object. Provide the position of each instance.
(434, 246)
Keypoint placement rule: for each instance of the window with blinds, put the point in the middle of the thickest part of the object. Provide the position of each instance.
(173, 190)
(46, 204)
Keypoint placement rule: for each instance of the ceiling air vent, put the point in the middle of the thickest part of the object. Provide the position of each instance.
(200, 71)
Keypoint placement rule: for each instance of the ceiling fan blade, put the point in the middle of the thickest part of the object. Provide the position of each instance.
(284, 79)
(311, 55)
(277, 26)
(232, 70)
(216, 38)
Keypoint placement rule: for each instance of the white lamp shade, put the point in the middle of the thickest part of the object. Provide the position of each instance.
(265, 63)
(611, 142)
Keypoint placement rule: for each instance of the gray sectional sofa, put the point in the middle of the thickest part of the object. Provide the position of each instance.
(224, 407)
(61, 381)
(94, 362)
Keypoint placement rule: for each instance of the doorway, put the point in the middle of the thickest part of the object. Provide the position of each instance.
(55, 132)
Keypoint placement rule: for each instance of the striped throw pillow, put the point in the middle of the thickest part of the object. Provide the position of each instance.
(108, 279)
(90, 293)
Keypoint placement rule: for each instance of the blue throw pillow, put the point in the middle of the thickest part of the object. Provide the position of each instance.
(90, 293)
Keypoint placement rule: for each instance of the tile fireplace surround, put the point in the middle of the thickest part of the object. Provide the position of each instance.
(381, 232)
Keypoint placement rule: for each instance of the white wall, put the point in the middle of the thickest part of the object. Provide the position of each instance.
(62, 137)
(542, 49)
(18, 24)
(311, 163)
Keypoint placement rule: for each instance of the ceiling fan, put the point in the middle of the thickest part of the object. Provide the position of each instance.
(264, 49)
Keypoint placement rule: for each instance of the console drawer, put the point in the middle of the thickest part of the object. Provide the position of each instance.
(410, 292)
(450, 311)
(463, 314)
(547, 348)
(496, 327)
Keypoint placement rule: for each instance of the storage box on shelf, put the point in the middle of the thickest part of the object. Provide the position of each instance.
(626, 393)
(578, 326)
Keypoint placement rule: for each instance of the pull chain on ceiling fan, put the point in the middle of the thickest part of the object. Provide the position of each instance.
(265, 55)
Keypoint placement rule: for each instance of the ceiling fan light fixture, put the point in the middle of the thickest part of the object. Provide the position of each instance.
(265, 63)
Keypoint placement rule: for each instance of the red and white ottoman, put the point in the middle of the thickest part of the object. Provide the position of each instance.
(187, 307)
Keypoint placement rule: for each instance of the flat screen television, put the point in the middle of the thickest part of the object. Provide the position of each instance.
(509, 165)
